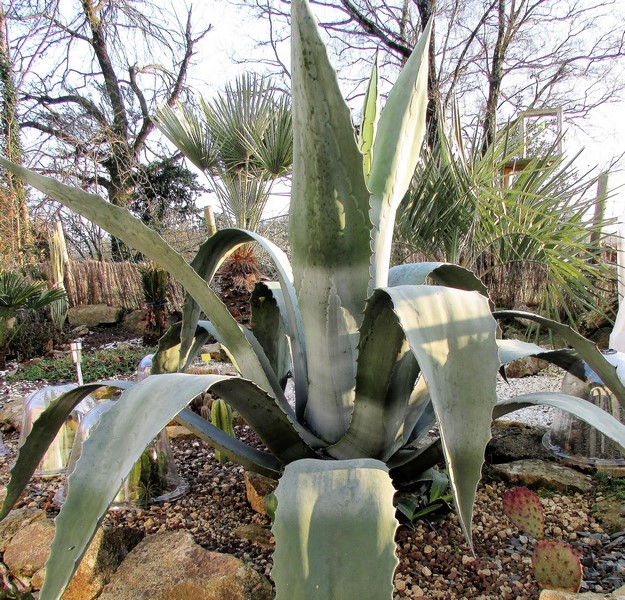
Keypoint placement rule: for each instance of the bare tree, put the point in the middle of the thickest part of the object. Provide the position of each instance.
(498, 57)
(108, 66)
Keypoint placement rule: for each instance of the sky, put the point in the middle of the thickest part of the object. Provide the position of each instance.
(232, 33)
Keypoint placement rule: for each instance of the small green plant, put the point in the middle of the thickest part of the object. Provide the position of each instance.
(556, 564)
(103, 364)
(431, 497)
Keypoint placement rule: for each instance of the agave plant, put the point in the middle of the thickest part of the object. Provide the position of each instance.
(378, 355)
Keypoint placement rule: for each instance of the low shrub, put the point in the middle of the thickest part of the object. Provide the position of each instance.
(102, 364)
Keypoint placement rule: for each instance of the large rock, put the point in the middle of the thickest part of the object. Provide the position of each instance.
(94, 314)
(17, 520)
(135, 321)
(11, 415)
(538, 473)
(171, 566)
(553, 595)
(524, 367)
(29, 548)
(515, 441)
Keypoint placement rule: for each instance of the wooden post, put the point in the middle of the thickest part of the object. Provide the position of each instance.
(211, 227)
(600, 202)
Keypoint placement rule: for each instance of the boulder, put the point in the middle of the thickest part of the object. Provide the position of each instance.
(15, 521)
(538, 473)
(29, 548)
(257, 487)
(135, 321)
(90, 315)
(525, 367)
(171, 566)
(11, 415)
(515, 441)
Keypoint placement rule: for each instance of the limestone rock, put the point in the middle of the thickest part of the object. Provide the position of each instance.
(256, 533)
(515, 441)
(171, 566)
(553, 595)
(94, 314)
(257, 487)
(178, 432)
(29, 548)
(525, 367)
(135, 321)
(11, 415)
(17, 520)
(538, 473)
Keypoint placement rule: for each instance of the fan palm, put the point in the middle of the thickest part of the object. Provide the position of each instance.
(242, 140)
(484, 221)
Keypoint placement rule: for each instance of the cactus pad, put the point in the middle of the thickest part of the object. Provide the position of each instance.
(557, 566)
(523, 508)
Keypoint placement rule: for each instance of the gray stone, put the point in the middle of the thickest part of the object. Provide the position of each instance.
(538, 473)
(135, 321)
(94, 314)
(171, 566)
(515, 441)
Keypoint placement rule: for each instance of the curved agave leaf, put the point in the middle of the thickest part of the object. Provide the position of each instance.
(169, 358)
(329, 227)
(582, 409)
(120, 223)
(452, 334)
(207, 261)
(446, 274)
(95, 481)
(396, 151)
(44, 430)
(510, 350)
(585, 348)
(268, 323)
(386, 376)
(286, 438)
(318, 525)
(244, 455)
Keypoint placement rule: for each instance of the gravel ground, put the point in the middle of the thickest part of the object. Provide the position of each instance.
(435, 561)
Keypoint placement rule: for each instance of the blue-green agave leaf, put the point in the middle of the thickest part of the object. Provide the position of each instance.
(396, 151)
(44, 430)
(252, 459)
(329, 227)
(581, 408)
(108, 455)
(452, 334)
(585, 348)
(369, 122)
(325, 511)
(510, 350)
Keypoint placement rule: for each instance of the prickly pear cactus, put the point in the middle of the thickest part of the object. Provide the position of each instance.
(523, 508)
(221, 416)
(557, 566)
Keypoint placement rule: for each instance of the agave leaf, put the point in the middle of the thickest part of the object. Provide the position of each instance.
(168, 357)
(446, 274)
(325, 510)
(269, 326)
(95, 481)
(452, 335)
(370, 115)
(396, 151)
(581, 408)
(44, 430)
(585, 348)
(120, 223)
(281, 434)
(246, 456)
(510, 350)
(329, 227)
(386, 376)
(207, 261)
